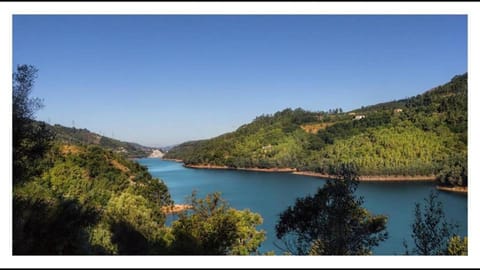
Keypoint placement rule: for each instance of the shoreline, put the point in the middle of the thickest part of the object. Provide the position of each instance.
(254, 169)
(365, 178)
(463, 190)
(172, 159)
(375, 178)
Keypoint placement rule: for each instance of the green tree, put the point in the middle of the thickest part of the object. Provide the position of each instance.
(454, 169)
(211, 227)
(30, 139)
(136, 227)
(331, 222)
(430, 231)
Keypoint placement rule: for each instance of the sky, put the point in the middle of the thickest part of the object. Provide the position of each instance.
(160, 80)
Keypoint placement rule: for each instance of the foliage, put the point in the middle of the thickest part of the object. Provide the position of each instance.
(126, 203)
(269, 141)
(24, 106)
(346, 129)
(331, 222)
(211, 227)
(421, 135)
(457, 246)
(403, 149)
(454, 169)
(126, 199)
(430, 231)
(136, 227)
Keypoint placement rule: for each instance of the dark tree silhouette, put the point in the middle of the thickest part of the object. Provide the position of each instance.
(331, 222)
(430, 230)
(30, 139)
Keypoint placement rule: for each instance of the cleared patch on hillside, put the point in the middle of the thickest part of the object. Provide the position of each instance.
(124, 169)
(119, 166)
(69, 149)
(314, 128)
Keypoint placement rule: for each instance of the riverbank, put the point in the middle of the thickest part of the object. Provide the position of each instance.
(374, 178)
(208, 166)
(453, 189)
(173, 159)
(365, 178)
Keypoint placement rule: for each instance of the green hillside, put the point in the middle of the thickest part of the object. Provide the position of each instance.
(78, 205)
(422, 135)
(86, 137)
(88, 200)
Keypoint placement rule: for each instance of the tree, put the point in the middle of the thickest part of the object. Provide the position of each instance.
(211, 227)
(137, 228)
(331, 222)
(24, 107)
(454, 169)
(430, 231)
(30, 139)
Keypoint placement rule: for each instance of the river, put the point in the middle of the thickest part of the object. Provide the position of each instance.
(270, 193)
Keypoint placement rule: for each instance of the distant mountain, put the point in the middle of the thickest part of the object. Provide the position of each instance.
(422, 135)
(86, 137)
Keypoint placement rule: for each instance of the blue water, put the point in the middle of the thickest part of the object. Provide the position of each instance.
(270, 193)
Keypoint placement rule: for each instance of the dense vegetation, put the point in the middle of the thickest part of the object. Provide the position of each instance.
(422, 135)
(94, 201)
(91, 195)
(86, 137)
(84, 198)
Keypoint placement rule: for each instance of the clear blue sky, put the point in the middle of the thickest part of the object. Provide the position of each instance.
(165, 79)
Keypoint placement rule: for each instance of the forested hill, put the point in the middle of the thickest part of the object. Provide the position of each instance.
(87, 200)
(86, 137)
(422, 135)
